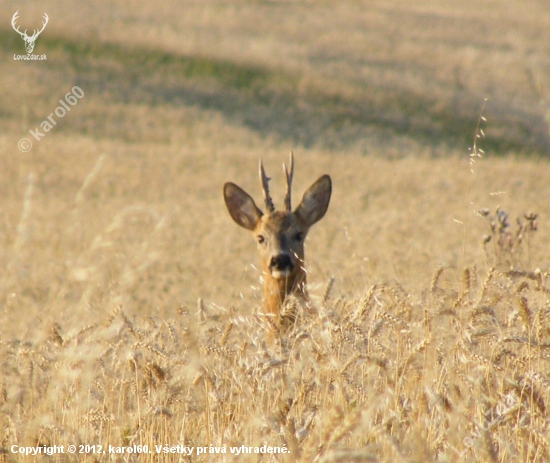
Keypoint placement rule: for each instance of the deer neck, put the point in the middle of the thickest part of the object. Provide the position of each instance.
(276, 290)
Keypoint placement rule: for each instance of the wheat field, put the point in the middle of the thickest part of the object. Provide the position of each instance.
(131, 324)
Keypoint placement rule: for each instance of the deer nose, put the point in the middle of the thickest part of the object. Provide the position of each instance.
(281, 262)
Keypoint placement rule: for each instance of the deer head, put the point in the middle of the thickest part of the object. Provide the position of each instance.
(29, 41)
(280, 235)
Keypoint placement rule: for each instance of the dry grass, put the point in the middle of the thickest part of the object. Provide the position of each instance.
(129, 301)
(384, 375)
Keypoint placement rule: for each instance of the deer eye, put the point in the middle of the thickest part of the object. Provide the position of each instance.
(260, 239)
(299, 236)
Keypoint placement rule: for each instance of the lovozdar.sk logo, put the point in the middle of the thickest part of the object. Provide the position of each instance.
(29, 40)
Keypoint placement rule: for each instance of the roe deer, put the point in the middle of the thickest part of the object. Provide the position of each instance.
(280, 235)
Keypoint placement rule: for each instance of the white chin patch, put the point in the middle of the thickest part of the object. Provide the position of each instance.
(280, 274)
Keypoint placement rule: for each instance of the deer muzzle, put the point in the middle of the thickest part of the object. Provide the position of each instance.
(281, 266)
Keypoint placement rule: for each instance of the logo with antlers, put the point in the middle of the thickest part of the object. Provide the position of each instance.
(29, 41)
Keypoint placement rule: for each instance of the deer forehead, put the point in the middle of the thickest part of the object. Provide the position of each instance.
(278, 223)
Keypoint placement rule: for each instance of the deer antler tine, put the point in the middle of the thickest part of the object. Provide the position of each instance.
(289, 174)
(14, 23)
(44, 23)
(264, 179)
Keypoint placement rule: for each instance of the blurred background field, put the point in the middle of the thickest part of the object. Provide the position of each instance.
(120, 205)
(362, 76)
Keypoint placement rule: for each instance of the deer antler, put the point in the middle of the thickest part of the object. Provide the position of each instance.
(289, 174)
(24, 34)
(36, 34)
(15, 27)
(264, 179)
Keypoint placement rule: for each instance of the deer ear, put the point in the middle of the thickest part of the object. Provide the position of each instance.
(241, 206)
(315, 202)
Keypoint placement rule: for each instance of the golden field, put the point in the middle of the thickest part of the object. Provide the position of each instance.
(130, 303)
